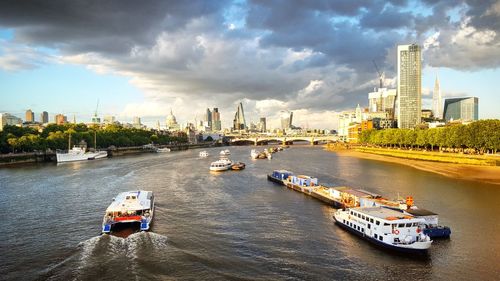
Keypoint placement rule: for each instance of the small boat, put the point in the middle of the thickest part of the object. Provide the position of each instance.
(254, 154)
(130, 208)
(222, 164)
(238, 166)
(278, 176)
(165, 149)
(225, 153)
(204, 154)
(386, 228)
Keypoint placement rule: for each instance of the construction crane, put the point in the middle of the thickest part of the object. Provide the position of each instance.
(97, 106)
(381, 76)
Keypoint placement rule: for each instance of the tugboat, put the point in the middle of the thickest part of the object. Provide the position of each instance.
(130, 208)
(386, 228)
(279, 176)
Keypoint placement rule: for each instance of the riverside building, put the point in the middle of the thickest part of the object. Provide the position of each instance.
(464, 109)
(239, 123)
(409, 86)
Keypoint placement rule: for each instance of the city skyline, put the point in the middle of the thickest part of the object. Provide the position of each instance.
(220, 54)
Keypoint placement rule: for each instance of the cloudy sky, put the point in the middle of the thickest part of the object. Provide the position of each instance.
(143, 58)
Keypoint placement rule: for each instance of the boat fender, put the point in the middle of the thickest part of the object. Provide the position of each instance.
(395, 231)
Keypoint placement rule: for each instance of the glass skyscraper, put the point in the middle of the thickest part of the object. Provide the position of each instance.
(465, 109)
(409, 86)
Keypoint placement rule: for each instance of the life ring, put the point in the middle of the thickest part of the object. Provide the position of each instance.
(418, 230)
(395, 231)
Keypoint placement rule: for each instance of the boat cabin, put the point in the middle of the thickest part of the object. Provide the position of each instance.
(281, 174)
(302, 180)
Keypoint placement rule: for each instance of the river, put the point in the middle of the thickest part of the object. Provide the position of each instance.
(232, 225)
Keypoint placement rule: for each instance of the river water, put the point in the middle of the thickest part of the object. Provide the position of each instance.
(232, 225)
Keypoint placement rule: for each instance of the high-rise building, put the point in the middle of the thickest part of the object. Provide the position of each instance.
(208, 118)
(382, 100)
(44, 117)
(61, 119)
(137, 122)
(409, 86)
(9, 119)
(262, 124)
(437, 104)
(216, 123)
(30, 116)
(286, 119)
(465, 109)
(239, 119)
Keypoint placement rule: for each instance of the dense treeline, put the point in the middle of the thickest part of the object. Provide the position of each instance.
(478, 137)
(18, 139)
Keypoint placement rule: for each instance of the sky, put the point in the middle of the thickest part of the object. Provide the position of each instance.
(144, 58)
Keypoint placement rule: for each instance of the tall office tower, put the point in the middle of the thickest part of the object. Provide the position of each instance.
(61, 119)
(44, 117)
(382, 100)
(262, 124)
(409, 86)
(137, 122)
(9, 119)
(239, 118)
(216, 123)
(109, 119)
(437, 105)
(465, 109)
(30, 116)
(286, 119)
(208, 118)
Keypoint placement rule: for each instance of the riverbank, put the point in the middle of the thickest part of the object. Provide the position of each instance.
(486, 174)
(50, 156)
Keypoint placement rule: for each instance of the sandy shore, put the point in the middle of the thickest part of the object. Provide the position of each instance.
(487, 174)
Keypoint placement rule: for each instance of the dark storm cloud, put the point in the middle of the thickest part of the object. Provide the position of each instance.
(99, 26)
(267, 50)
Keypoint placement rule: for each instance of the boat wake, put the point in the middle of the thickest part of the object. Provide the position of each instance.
(115, 256)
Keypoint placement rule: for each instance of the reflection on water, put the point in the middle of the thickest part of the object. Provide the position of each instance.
(234, 224)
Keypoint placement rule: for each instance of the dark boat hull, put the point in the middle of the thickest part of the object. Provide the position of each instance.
(275, 180)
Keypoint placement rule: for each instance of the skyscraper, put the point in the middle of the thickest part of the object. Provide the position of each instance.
(44, 117)
(208, 118)
(239, 119)
(30, 116)
(137, 122)
(465, 109)
(286, 119)
(262, 124)
(216, 123)
(61, 119)
(437, 105)
(409, 86)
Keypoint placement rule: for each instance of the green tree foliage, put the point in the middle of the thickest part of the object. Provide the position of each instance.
(19, 139)
(481, 136)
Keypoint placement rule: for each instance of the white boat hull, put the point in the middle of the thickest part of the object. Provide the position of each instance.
(69, 157)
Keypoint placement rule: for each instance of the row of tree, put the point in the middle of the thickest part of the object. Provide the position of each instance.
(19, 139)
(480, 136)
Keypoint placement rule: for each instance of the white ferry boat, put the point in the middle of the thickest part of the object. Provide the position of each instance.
(222, 164)
(165, 149)
(131, 207)
(386, 228)
(204, 154)
(225, 153)
(78, 153)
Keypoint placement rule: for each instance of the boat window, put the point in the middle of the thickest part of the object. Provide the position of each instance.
(362, 230)
(128, 197)
(376, 236)
(362, 217)
(369, 226)
(381, 238)
(415, 224)
(377, 222)
(371, 220)
(386, 224)
(401, 225)
(408, 225)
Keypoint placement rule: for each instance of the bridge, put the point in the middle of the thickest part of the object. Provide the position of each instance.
(284, 140)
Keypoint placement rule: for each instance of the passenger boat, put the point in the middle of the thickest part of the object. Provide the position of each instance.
(165, 149)
(254, 154)
(222, 164)
(387, 228)
(204, 154)
(130, 208)
(238, 166)
(78, 153)
(278, 176)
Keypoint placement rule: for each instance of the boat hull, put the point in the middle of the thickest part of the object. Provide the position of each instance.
(67, 157)
(380, 244)
(275, 180)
